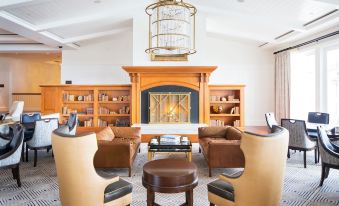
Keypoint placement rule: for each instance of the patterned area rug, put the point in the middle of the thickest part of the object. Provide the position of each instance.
(39, 184)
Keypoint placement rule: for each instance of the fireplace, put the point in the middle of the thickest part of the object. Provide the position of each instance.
(192, 79)
(169, 104)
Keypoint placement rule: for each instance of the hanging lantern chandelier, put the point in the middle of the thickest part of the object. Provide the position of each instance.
(171, 30)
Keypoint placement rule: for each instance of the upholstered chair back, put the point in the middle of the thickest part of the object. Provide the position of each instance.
(79, 184)
(43, 132)
(328, 151)
(318, 118)
(261, 183)
(270, 119)
(298, 133)
(28, 118)
(72, 123)
(14, 147)
(16, 110)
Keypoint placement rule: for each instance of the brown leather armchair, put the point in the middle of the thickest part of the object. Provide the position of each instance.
(221, 147)
(119, 152)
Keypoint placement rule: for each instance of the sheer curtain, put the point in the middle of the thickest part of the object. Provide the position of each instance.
(282, 85)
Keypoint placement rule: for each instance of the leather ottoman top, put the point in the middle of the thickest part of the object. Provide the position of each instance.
(170, 175)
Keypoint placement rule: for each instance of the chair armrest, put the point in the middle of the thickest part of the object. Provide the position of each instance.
(231, 178)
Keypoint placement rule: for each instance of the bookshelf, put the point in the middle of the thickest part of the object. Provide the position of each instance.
(96, 105)
(226, 103)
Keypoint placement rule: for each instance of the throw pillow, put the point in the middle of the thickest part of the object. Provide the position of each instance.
(105, 134)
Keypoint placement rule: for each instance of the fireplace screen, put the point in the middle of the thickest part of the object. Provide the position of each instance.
(169, 107)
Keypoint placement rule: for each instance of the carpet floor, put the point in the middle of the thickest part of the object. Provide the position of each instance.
(39, 184)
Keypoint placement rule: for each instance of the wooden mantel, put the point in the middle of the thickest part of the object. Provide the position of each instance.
(194, 77)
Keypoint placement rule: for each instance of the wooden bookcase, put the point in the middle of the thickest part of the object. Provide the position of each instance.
(226, 103)
(96, 105)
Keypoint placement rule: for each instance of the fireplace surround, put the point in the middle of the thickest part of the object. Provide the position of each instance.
(146, 77)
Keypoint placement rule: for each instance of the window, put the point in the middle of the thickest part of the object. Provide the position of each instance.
(303, 84)
(332, 84)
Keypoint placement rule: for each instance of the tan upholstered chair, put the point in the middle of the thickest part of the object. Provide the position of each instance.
(261, 182)
(79, 182)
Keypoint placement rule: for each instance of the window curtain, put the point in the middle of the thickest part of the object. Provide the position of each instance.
(282, 85)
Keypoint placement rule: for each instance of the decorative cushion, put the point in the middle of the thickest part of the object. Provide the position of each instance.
(222, 189)
(233, 134)
(117, 190)
(106, 134)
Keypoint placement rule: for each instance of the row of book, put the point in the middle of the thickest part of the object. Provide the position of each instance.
(72, 97)
(235, 110)
(217, 123)
(221, 123)
(88, 123)
(122, 110)
(236, 123)
(67, 110)
(223, 98)
(105, 98)
(118, 123)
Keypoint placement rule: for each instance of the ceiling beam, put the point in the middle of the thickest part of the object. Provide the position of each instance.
(95, 35)
(7, 48)
(17, 25)
(14, 39)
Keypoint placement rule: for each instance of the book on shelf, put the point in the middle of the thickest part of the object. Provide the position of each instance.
(103, 110)
(102, 123)
(88, 123)
(217, 123)
(71, 97)
(236, 123)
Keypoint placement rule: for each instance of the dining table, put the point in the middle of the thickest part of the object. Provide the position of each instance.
(331, 133)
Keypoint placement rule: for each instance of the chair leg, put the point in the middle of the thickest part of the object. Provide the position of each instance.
(35, 157)
(211, 204)
(322, 175)
(139, 150)
(288, 153)
(199, 150)
(304, 159)
(318, 153)
(47, 150)
(327, 172)
(209, 171)
(26, 153)
(22, 152)
(129, 171)
(16, 174)
(315, 156)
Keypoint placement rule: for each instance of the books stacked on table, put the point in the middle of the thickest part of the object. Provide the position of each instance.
(170, 139)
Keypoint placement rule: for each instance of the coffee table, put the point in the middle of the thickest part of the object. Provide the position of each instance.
(169, 176)
(182, 146)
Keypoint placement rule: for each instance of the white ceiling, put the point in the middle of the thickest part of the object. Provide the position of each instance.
(69, 22)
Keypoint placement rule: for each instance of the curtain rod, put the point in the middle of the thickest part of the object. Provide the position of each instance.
(309, 42)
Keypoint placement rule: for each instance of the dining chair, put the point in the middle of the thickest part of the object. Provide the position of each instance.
(329, 153)
(270, 119)
(28, 121)
(15, 111)
(72, 123)
(42, 136)
(261, 182)
(317, 118)
(10, 154)
(299, 139)
(79, 182)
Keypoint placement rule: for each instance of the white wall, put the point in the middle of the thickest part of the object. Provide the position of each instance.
(99, 61)
(244, 63)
